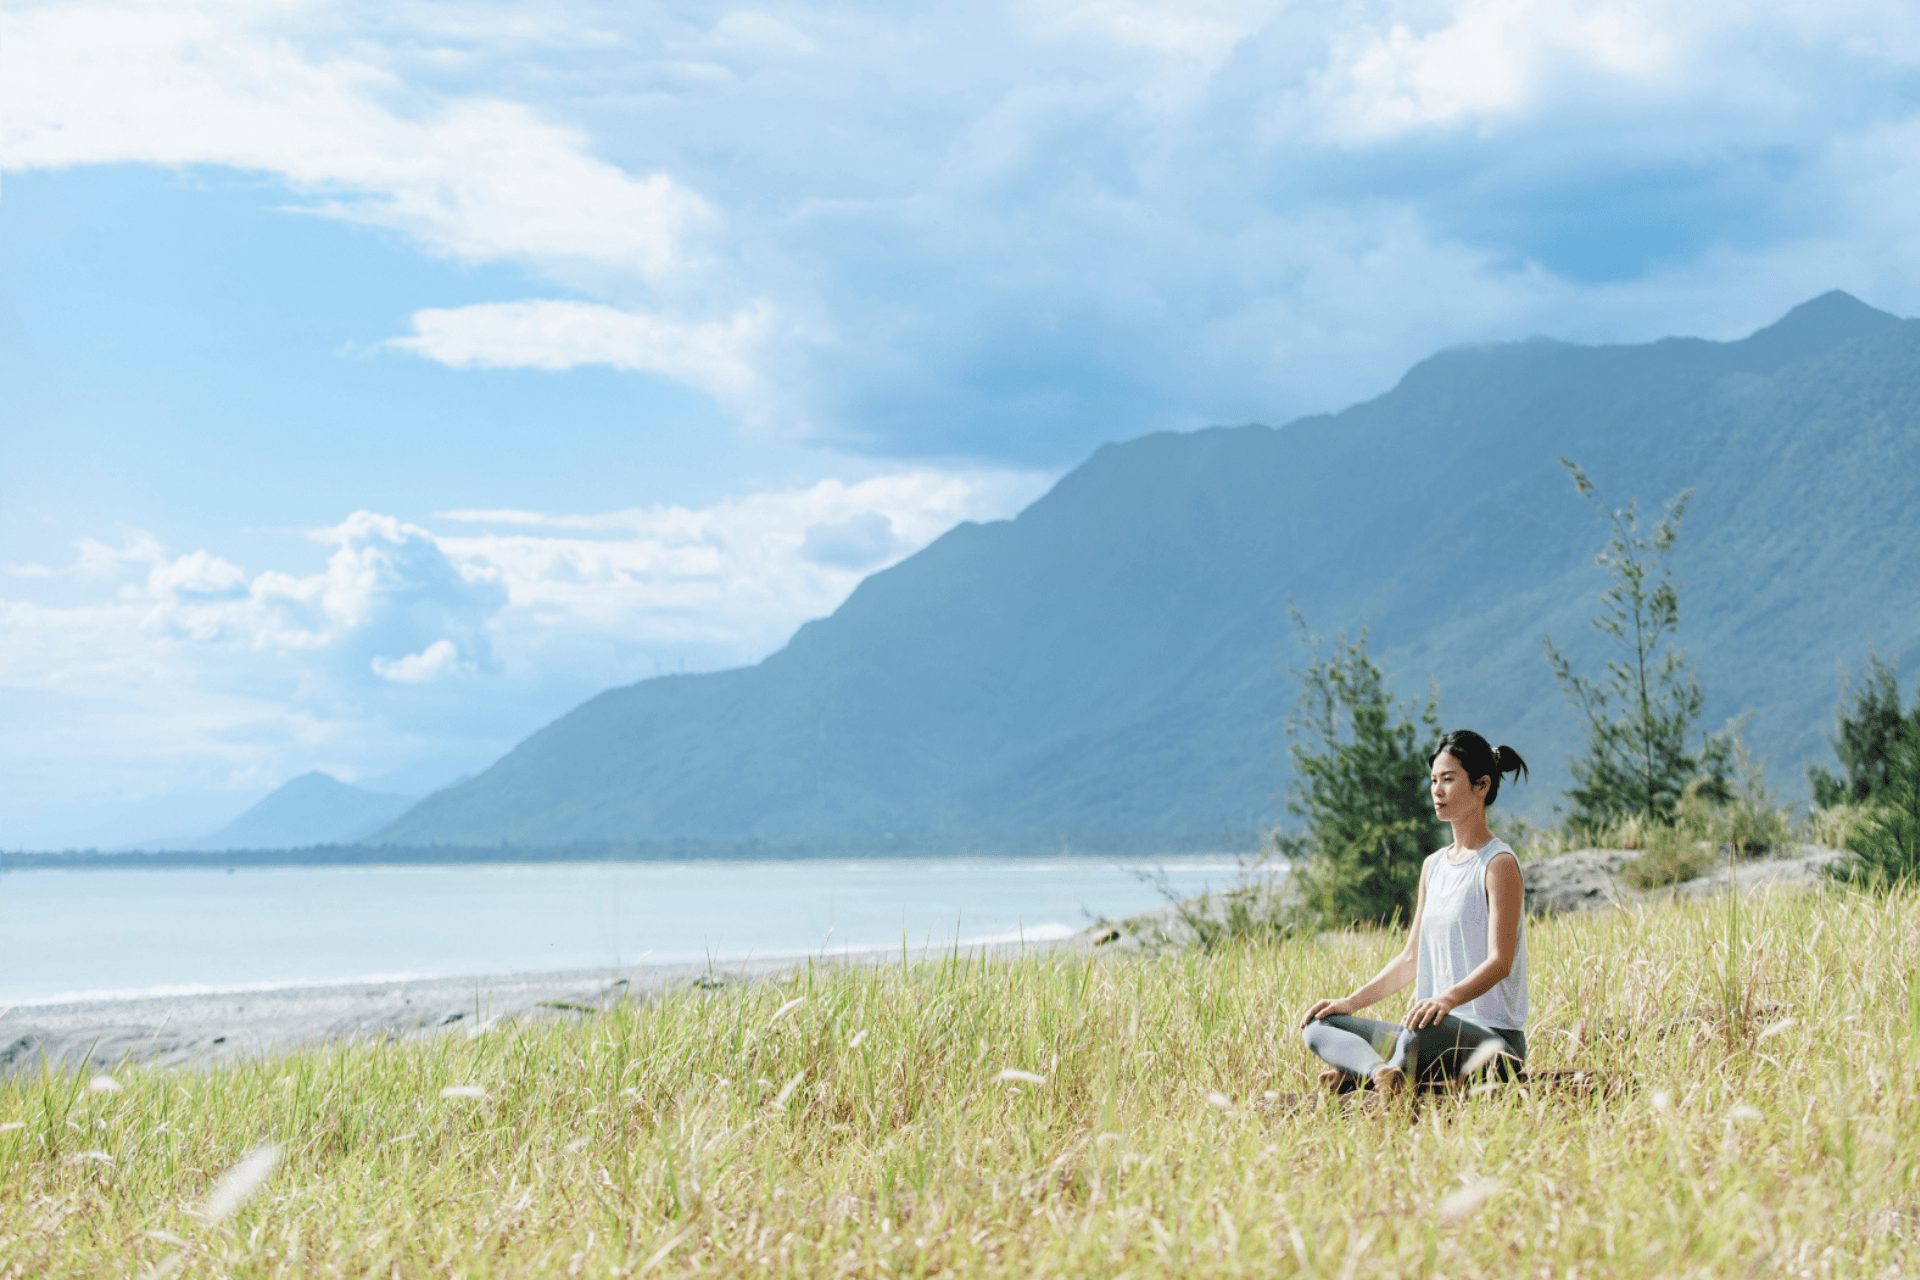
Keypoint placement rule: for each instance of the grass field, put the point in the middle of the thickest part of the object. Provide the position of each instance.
(851, 1122)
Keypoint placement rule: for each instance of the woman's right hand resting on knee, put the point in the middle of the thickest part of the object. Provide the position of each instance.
(1327, 1009)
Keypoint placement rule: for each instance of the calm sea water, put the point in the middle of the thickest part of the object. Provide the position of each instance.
(68, 934)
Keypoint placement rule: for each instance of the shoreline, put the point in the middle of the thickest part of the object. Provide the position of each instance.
(208, 1029)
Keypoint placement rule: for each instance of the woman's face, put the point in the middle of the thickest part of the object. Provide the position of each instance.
(1453, 796)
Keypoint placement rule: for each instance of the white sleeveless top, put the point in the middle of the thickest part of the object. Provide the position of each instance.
(1453, 940)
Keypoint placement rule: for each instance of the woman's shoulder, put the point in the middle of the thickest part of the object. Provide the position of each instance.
(1491, 851)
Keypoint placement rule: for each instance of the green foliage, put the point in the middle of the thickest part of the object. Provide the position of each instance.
(1360, 782)
(1640, 716)
(1838, 826)
(1706, 828)
(1868, 727)
(1669, 856)
(1886, 851)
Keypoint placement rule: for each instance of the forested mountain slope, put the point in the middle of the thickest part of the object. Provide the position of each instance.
(1114, 662)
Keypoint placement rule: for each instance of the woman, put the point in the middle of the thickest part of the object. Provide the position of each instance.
(1466, 955)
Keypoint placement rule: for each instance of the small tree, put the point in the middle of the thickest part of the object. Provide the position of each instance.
(1869, 726)
(1360, 782)
(1641, 715)
(1886, 851)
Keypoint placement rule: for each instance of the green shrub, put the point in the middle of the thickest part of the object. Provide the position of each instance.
(1837, 826)
(1868, 727)
(1886, 849)
(1669, 857)
(1360, 781)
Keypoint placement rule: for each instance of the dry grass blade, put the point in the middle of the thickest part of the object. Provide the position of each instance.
(1785, 1024)
(239, 1183)
(1483, 1053)
(786, 1090)
(1463, 1202)
(786, 1009)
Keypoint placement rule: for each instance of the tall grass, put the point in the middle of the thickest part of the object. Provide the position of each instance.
(1045, 1116)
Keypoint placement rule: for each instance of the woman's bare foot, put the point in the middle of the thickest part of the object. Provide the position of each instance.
(1389, 1082)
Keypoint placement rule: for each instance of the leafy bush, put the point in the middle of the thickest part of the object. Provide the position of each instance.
(1868, 727)
(1668, 857)
(1360, 782)
(1750, 821)
(1704, 829)
(1837, 826)
(1886, 849)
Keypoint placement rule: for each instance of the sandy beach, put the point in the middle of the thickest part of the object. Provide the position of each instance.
(205, 1029)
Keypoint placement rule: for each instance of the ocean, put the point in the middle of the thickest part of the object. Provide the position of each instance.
(97, 934)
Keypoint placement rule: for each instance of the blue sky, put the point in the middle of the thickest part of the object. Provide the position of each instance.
(381, 380)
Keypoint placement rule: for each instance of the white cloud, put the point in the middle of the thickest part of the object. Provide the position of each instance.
(1483, 60)
(438, 659)
(207, 82)
(184, 672)
(715, 356)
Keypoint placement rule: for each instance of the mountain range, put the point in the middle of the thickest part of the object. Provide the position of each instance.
(1115, 665)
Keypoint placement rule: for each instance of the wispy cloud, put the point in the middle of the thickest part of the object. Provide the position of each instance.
(281, 89)
(184, 671)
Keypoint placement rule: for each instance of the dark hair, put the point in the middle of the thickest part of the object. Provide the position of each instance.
(1479, 759)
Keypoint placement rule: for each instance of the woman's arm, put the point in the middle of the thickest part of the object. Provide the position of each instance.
(1505, 900)
(1396, 975)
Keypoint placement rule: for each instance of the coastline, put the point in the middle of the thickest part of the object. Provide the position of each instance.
(195, 1030)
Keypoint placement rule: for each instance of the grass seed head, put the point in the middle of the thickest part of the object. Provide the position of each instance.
(463, 1091)
(239, 1183)
(1484, 1052)
(1018, 1076)
(1463, 1203)
(103, 1084)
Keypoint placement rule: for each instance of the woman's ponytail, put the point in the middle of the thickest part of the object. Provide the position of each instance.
(1479, 759)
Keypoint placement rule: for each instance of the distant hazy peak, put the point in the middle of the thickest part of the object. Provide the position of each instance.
(1828, 321)
(317, 782)
(314, 808)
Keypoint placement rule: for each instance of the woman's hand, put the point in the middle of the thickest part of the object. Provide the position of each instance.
(1427, 1012)
(1326, 1009)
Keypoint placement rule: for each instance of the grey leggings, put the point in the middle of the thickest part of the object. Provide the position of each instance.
(1435, 1053)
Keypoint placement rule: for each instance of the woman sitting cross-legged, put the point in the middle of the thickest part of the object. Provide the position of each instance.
(1466, 955)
